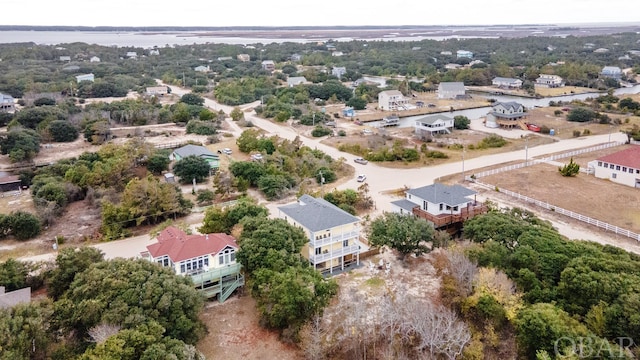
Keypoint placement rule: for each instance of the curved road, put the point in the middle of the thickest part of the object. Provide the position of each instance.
(382, 179)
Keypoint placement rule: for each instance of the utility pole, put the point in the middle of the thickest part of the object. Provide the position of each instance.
(314, 123)
(526, 151)
(184, 83)
(463, 178)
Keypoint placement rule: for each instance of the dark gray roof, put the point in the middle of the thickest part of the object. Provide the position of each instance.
(404, 204)
(509, 105)
(317, 214)
(443, 194)
(196, 150)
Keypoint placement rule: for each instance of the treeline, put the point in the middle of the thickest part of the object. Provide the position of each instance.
(572, 292)
(99, 309)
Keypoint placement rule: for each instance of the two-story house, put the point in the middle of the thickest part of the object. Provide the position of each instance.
(433, 124)
(210, 260)
(550, 81)
(332, 232)
(268, 65)
(506, 83)
(622, 167)
(506, 114)
(440, 204)
(391, 100)
(7, 103)
(451, 90)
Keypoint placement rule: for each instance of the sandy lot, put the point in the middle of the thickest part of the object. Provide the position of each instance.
(585, 194)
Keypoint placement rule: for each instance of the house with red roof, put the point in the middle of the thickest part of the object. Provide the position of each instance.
(210, 259)
(622, 167)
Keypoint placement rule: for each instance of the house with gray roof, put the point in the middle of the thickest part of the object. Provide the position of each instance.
(442, 205)
(507, 114)
(613, 72)
(451, 90)
(332, 232)
(506, 83)
(433, 124)
(7, 103)
(199, 151)
(296, 80)
(338, 71)
(13, 298)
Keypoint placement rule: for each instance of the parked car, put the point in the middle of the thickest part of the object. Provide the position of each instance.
(226, 151)
(358, 122)
(362, 177)
(367, 132)
(360, 161)
(256, 157)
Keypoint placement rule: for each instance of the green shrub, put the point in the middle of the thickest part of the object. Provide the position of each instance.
(200, 127)
(320, 131)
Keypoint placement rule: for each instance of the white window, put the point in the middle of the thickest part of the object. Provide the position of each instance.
(613, 176)
(227, 256)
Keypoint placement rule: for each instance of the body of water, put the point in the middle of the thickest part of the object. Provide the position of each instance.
(162, 39)
(529, 103)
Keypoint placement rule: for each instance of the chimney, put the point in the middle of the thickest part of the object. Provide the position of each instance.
(206, 237)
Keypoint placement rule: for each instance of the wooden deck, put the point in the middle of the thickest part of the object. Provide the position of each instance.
(449, 219)
(221, 282)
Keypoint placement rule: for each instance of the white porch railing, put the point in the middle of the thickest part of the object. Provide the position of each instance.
(353, 249)
(334, 238)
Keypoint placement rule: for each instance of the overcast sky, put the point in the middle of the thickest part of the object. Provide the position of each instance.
(316, 13)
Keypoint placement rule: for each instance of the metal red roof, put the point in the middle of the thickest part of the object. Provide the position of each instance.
(179, 246)
(629, 157)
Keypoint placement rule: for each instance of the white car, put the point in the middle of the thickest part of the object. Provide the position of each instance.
(362, 177)
(256, 157)
(226, 151)
(360, 161)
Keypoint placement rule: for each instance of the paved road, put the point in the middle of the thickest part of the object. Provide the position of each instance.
(382, 179)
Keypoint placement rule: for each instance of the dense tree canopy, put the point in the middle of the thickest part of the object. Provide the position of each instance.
(406, 234)
(190, 168)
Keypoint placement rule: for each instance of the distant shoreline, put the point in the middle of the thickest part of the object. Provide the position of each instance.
(358, 32)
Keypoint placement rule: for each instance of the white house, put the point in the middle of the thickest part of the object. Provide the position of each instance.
(202, 68)
(506, 114)
(452, 66)
(433, 124)
(451, 90)
(551, 81)
(440, 204)
(244, 57)
(611, 72)
(338, 71)
(157, 90)
(332, 232)
(94, 59)
(132, 54)
(191, 254)
(464, 54)
(296, 80)
(446, 53)
(7, 103)
(268, 65)
(391, 100)
(153, 52)
(337, 53)
(622, 167)
(296, 57)
(85, 77)
(507, 83)
(65, 58)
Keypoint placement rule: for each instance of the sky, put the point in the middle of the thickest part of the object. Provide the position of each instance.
(279, 13)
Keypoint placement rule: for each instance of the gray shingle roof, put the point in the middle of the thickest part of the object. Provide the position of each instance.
(505, 80)
(452, 86)
(509, 105)
(404, 204)
(196, 150)
(440, 193)
(431, 119)
(317, 214)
